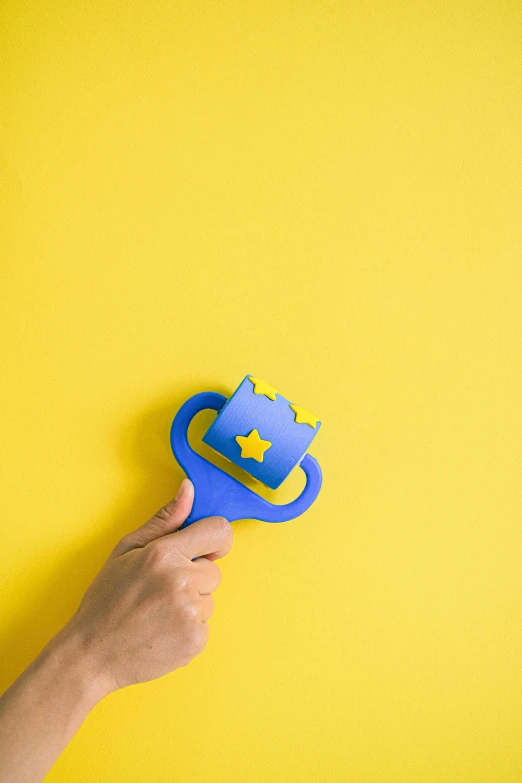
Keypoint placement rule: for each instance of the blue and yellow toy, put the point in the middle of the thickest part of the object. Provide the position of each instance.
(262, 432)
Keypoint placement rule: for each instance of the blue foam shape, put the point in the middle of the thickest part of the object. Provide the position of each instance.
(274, 420)
(217, 493)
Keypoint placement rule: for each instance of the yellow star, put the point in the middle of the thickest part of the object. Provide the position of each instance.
(302, 416)
(260, 387)
(253, 446)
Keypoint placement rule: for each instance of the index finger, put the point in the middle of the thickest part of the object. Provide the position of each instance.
(211, 537)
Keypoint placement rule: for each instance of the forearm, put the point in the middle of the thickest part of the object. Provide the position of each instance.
(44, 708)
(145, 614)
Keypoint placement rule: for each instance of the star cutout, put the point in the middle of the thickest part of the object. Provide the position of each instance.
(253, 446)
(260, 387)
(303, 416)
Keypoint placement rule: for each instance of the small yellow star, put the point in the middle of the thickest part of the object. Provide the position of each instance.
(260, 387)
(253, 446)
(303, 416)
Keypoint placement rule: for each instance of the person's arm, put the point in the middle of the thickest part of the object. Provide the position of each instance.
(145, 614)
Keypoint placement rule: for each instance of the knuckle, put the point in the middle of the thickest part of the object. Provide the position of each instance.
(157, 557)
(203, 636)
(174, 586)
(223, 528)
(196, 639)
(216, 575)
(163, 514)
(179, 581)
(208, 575)
(189, 611)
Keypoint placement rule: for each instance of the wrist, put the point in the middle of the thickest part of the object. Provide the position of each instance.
(77, 662)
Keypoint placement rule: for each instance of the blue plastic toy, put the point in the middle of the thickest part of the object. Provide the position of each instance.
(262, 432)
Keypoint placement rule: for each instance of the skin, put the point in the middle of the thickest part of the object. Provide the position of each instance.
(145, 614)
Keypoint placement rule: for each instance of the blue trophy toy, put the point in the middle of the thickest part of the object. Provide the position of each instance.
(262, 432)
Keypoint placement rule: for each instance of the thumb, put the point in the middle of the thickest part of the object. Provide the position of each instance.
(167, 520)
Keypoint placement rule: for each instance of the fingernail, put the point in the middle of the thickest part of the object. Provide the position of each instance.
(183, 487)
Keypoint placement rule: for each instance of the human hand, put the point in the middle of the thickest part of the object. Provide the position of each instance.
(146, 612)
(144, 615)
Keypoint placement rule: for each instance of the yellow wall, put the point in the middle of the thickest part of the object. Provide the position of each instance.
(326, 195)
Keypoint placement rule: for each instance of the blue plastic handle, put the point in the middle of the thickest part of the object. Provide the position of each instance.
(217, 493)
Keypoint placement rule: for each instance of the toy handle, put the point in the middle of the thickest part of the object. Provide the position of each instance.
(217, 493)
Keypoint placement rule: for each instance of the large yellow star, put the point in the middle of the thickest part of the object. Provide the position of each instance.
(303, 416)
(253, 446)
(260, 387)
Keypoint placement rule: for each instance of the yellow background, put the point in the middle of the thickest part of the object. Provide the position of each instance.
(326, 195)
